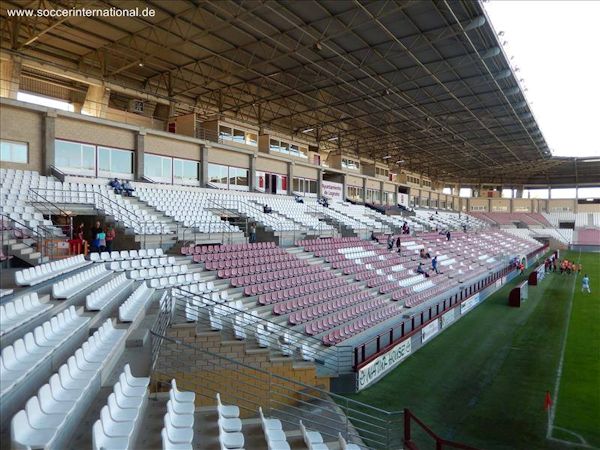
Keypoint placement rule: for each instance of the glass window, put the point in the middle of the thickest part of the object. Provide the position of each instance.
(217, 174)
(251, 139)
(225, 133)
(15, 152)
(74, 157)
(113, 161)
(312, 186)
(239, 136)
(273, 145)
(158, 167)
(185, 171)
(296, 185)
(284, 147)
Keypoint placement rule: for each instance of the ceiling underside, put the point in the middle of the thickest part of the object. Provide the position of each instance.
(424, 82)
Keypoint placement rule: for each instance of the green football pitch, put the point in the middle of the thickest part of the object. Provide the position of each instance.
(483, 381)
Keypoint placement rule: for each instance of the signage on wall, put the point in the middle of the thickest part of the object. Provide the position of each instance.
(333, 191)
(430, 330)
(448, 318)
(383, 364)
(469, 303)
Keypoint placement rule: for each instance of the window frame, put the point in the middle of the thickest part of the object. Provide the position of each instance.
(12, 144)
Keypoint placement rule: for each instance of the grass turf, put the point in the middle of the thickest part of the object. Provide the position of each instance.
(483, 381)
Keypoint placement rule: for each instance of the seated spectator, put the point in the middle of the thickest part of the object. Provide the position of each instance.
(128, 188)
(424, 254)
(298, 199)
(464, 227)
(116, 185)
(422, 270)
(448, 235)
(390, 242)
(267, 209)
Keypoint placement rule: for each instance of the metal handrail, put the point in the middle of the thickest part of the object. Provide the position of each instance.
(45, 202)
(34, 233)
(287, 399)
(336, 353)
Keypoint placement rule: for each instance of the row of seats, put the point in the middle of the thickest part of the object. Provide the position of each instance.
(225, 248)
(175, 280)
(25, 355)
(21, 310)
(47, 271)
(133, 306)
(121, 418)
(146, 263)
(178, 432)
(242, 262)
(208, 257)
(157, 272)
(50, 417)
(260, 268)
(106, 294)
(71, 286)
(126, 255)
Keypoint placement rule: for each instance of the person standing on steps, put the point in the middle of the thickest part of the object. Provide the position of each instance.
(110, 236)
(252, 237)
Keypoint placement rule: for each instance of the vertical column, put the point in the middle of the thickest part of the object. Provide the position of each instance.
(96, 101)
(381, 191)
(364, 199)
(140, 148)
(203, 165)
(320, 179)
(290, 176)
(344, 187)
(576, 206)
(48, 141)
(550, 192)
(252, 172)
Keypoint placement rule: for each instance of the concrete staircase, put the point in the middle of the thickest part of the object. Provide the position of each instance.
(24, 250)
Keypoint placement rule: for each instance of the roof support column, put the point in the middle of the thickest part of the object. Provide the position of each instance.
(381, 191)
(203, 165)
(49, 140)
(290, 177)
(140, 148)
(252, 172)
(576, 206)
(96, 101)
(320, 180)
(364, 199)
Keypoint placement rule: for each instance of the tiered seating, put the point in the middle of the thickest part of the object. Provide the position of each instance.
(587, 236)
(178, 432)
(20, 311)
(121, 418)
(44, 272)
(131, 308)
(273, 431)
(71, 286)
(26, 354)
(163, 282)
(105, 295)
(158, 272)
(145, 263)
(312, 439)
(365, 322)
(301, 213)
(50, 417)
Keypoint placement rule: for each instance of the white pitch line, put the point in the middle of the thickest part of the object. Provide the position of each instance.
(562, 358)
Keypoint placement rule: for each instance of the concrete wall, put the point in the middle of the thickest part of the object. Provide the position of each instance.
(21, 125)
(94, 133)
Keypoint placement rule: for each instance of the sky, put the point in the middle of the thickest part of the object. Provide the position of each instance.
(556, 46)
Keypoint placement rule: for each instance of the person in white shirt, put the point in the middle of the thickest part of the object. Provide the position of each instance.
(585, 284)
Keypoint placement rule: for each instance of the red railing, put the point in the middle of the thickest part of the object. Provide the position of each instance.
(417, 435)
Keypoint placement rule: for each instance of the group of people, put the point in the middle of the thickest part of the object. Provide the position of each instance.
(391, 242)
(101, 237)
(405, 228)
(122, 188)
(434, 267)
(552, 264)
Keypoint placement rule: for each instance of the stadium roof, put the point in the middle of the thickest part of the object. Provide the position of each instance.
(422, 82)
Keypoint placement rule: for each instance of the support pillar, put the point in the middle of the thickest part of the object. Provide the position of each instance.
(96, 101)
(140, 146)
(49, 140)
(320, 180)
(576, 206)
(203, 165)
(344, 188)
(10, 76)
(381, 191)
(290, 177)
(252, 172)
(364, 199)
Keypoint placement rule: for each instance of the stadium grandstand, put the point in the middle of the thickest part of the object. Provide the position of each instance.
(233, 224)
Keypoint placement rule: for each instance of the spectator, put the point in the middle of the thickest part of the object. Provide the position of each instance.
(110, 237)
(398, 243)
(448, 235)
(96, 230)
(128, 188)
(116, 185)
(101, 241)
(436, 213)
(423, 254)
(373, 238)
(434, 264)
(390, 242)
(252, 233)
(585, 284)
(267, 209)
(298, 199)
(422, 271)
(464, 227)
